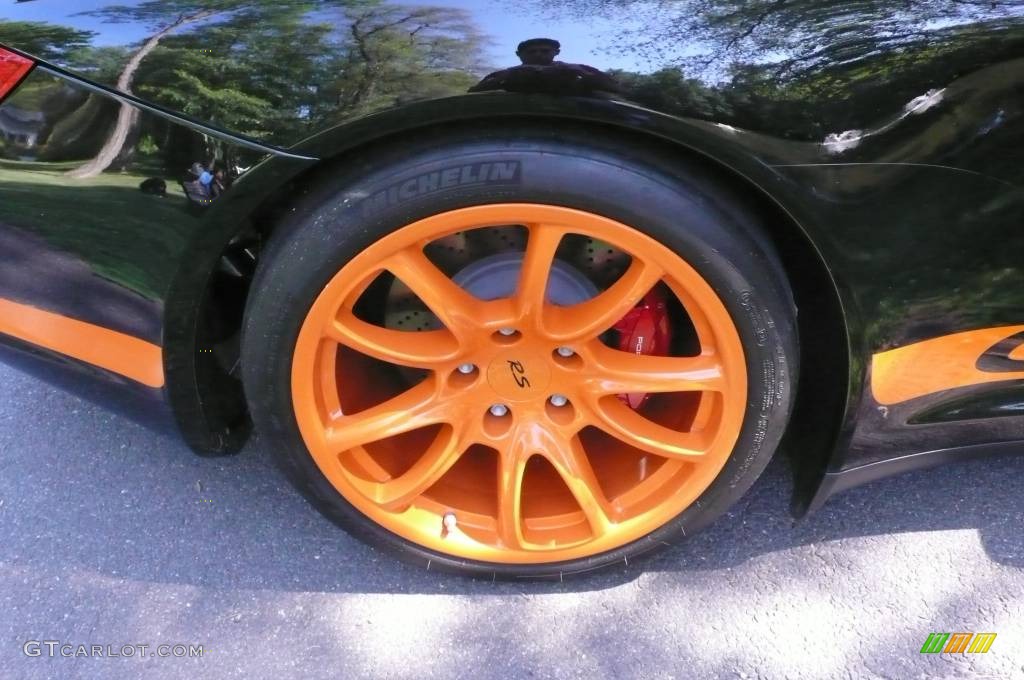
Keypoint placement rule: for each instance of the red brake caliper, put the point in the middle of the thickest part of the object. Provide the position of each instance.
(645, 330)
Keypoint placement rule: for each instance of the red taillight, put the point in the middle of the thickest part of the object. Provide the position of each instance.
(13, 68)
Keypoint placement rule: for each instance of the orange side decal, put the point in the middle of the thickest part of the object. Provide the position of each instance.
(943, 363)
(123, 354)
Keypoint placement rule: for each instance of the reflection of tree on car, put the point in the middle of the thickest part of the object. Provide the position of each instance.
(540, 73)
(226, 61)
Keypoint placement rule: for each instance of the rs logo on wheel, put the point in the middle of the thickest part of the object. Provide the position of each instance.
(519, 373)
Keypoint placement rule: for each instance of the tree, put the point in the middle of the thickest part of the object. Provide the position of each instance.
(249, 74)
(263, 67)
(46, 41)
(389, 53)
(285, 76)
(711, 37)
(670, 90)
(164, 17)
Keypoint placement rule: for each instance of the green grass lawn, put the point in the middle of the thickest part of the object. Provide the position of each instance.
(129, 237)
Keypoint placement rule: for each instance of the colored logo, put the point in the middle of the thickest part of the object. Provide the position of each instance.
(958, 643)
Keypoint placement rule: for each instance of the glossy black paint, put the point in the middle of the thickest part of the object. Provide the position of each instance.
(886, 141)
(102, 251)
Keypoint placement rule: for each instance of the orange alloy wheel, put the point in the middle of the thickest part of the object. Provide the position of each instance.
(498, 434)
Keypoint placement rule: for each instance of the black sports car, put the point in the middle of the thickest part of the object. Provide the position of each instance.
(522, 289)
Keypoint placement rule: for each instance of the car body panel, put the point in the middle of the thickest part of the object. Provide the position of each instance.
(889, 140)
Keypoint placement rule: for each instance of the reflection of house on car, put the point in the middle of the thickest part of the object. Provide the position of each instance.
(20, 126)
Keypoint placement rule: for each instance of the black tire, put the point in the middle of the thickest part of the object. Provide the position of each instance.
(675, 200)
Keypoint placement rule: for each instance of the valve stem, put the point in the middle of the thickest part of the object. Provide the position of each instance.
(448, 523)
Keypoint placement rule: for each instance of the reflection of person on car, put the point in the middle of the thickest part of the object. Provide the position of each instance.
(204, 185)
(539, 72)
(207, 180)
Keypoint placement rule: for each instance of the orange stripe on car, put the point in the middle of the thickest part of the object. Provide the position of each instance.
(938, 364)
(123, 354)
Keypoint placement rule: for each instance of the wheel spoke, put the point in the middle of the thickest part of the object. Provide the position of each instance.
(510, 498)
(536, 270)
(456, 308)
(622, 372)
(620, 421)
(398, 493)
(415, 408)
(423, 349)
(591, 318)
(571, 462)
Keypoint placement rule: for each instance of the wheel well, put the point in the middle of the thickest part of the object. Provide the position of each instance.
(824, 363)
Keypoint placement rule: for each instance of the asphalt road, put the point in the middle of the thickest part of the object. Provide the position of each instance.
(111, 534)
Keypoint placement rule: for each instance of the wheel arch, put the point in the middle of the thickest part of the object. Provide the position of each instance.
(209, 403)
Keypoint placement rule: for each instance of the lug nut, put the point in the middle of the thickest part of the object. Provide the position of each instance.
(559, 400)
(499, 410)
(466, 368)
(507, 331)
(565, 352)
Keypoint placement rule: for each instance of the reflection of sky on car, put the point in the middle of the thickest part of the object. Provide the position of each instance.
(504, 29)
(516, 21)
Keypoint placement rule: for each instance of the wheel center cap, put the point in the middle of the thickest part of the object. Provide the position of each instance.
(518, 375)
